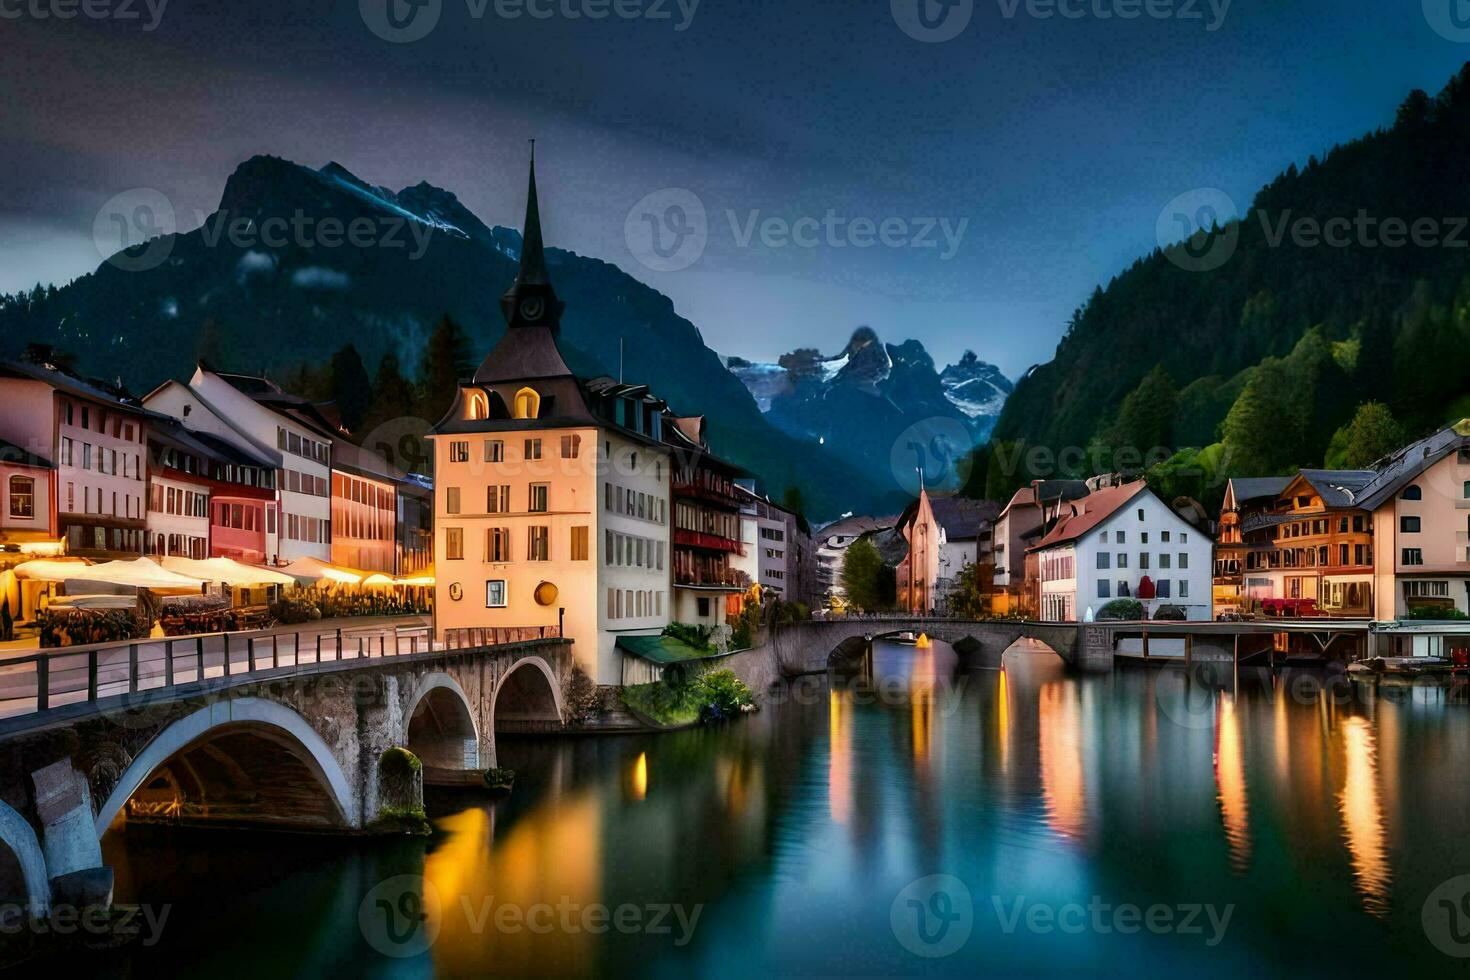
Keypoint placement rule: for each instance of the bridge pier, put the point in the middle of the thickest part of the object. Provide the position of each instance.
(69, 842)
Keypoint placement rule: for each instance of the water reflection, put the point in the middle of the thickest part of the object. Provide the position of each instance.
(1362, 814)
(793, 830)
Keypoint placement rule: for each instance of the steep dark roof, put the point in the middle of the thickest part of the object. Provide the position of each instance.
(1404, 466)
(1257, 487)
(1338, 488)
(961, 517)
(266, 392)
(72, 385)
(174, 432)
(364, 462)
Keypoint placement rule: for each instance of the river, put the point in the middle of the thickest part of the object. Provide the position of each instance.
(1025, 822)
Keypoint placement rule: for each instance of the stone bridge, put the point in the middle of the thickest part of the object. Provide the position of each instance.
(306, 747)
(813, 646)
(816, 645)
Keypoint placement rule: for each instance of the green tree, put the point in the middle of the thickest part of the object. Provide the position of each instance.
(1372, 434)
(351, 389)
(862, 575)
(1146, 417)
(970, 597)
(392, 394)
(446, 364)
(793, 501)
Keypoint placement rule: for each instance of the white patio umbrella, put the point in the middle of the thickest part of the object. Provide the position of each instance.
(309, 571)
(227, 571)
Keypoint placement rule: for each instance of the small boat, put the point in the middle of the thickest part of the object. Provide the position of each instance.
(907, 638)
(1401, 666)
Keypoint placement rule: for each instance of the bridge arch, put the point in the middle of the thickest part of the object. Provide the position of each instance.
(286, 737)
(439, 724)
(20, 837)
(527, 696)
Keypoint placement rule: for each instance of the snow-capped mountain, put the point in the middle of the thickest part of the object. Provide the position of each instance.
(861, 399)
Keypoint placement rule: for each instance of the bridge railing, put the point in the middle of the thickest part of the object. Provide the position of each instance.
(54, 678)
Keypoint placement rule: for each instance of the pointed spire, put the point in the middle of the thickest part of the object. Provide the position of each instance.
(533, 256)
(531, 301)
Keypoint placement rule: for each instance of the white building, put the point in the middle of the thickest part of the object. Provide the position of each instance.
(254, 410)
(1122, 542)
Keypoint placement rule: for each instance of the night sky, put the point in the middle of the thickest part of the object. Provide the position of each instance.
(1046, 146)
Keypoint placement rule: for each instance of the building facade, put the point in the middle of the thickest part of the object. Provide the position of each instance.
(1017, 527)
(98, 441)
(1122, 542)
(708, 578)
(551, 500)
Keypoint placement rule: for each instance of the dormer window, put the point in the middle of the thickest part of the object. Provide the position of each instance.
(528, 404)
(1412, 492)
(478, 406)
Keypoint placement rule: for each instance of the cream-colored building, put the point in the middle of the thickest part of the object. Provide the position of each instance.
(1420, 502)
(551, 492)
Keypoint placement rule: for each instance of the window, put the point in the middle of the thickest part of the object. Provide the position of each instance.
(571, 446)
(1118, 536)
(497, 544)
(1183, 537)
(1183, 559)
(1409, 525)
(494, 451)
(1420, 589)
(1163, 559)
(1163, 535)
(1104, 559)
(1412, 492)
(1184, 588)
(497, 499)
(1143, 537)
(1140, 513)
(527, 404)
(1122, 559)
(1162, 588)
(451, 500)
(539, 544)
(453, 542)
(22, 496)
(459, 452)
(538, 494)
(1413, 556)
(478, 406)
(533, 449)
(1103, 537)
(1103, 588)
(579, 543)
(495, 593)
(1143, 560)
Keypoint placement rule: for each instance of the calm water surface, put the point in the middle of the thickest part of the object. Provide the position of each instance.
(1265, 827)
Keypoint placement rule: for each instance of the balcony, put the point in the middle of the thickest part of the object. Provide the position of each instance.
(711, 578)
(699, 491)
(710, 542)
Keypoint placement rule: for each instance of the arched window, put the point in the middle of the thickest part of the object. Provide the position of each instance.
(528, 404)
(22, 496)
(478, 406)
(1412, 492)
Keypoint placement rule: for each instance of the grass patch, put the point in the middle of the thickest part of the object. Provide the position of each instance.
(710, 697)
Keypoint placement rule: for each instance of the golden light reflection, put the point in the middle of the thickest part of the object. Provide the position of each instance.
(640, 776)
(921, 724)
(1061, 761)
(1362, 815)
(545, 859)
(839, 763)
(1003, 719)
(1230, 783)
(1281, 732)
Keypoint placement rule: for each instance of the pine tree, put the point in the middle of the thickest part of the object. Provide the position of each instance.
(1372, 434)
(351, 389)
(446, 363)
(392, 394)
